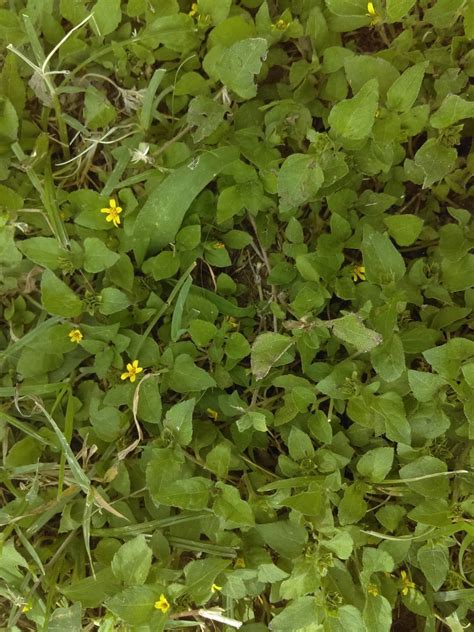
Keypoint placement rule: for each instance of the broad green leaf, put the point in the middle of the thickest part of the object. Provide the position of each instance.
(376, 464)
(435, 160)
(403, 93)
(201, 575)
(112, 300)
(405, 229)
(269, 350)
(149, 401)
(424, 385)
(310, 503)
(97, 257)
(132, 562)
(231, 508)
(299, 180)
(452, 109)
(186, 377)
(206, 115)
(448, 358)
(239, 64)
(353, 118)
(346, 618)
(301, 614)
(179, 419)
(133, 605)
(397, 9)
(390, 410)
(45, 251)
(383, 263)
(352, 506)
(388, 359)
(58, 298)
(66, 619)
(176, 32)
(434, 562)
(107, 16)
(377, 614)
(164, 210)
(92, 591)
(285, 537)
(190, 493)
(352, 330)
(423, 468)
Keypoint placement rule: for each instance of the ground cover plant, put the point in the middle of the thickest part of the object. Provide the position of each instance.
(236, 352)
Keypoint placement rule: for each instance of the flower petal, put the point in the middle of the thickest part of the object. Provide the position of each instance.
(112, 203)
(130, 367)
(105, 210)
(124, 376)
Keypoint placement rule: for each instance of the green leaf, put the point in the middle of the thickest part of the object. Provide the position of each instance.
(299, 180)
(132, 562)
(231, 508)
(107, 16)
(201, 575)
(301, 614)
(66, 619)
(383, 263)
(310, 503)
(97, 256)
(352, 330)
(285, 537)
(206, 115)
(149, 401)
(112, 301)
(448, 358)
(239, 63)
(389, 359)
(377, 614)
(269, 350)
(163, 266)
(133, 605)
(164, 210)
(434, 563)
(45, 251)
(179, 419)
(431, 487)
(376, 464)
(424, 385)
(403, 93)
(345, 618)
(186, 377)
(190, 493)
(405, 229)
(176, 32)
(8, 121)
(352, 507)
(435, 160)
(397, 9)
(452, 109)
(353, 118)
(58, 298)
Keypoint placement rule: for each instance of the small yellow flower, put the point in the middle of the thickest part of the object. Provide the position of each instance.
(407, 584)
(213, 414)
(75, 335)
(233, 322)
(239, 563)
(358, 273)
(218, 245)
(372, 14)
(132, 371)
(194, 9)
(281, 25)
(373, 590)
(26, 608)
(113, 213)
(215, 588)
(162, 604)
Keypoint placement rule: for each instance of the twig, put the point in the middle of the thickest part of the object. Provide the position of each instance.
(268, 267)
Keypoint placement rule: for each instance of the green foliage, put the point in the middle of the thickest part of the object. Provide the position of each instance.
(236, 294)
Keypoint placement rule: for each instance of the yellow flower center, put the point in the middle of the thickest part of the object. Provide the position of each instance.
(281, 25)
(407, 584)
(358, 273)
(373, 590)
(132, 371)
(218, 245)
(162, 604)
(75, 335)
(113, 213)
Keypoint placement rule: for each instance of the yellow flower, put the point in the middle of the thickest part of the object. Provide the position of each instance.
(215, 588)
(239, 563)
(213, 414)
(75, 335)
(162, 604)
(218, 245)
(26, 608)
(372, 14)
(373, 590)
(407, 584)
(132, 371)
(233, 322)
(113, 213)
(281, 25)
(358, 273)
(194, 9)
